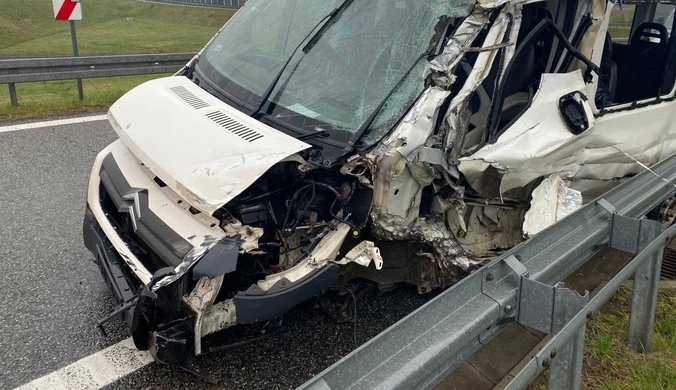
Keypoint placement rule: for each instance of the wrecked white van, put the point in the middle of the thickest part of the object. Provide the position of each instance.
(315, 142)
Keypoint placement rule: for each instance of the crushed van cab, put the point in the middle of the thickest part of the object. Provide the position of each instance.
(315, 142)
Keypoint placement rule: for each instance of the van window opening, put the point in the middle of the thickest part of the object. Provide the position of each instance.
(639, 52)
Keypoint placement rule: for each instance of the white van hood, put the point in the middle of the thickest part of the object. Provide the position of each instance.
(202, 148)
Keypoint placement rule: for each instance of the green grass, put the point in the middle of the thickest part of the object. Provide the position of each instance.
(118, 36)
(28, 28)
(60, 97)
(609, 364)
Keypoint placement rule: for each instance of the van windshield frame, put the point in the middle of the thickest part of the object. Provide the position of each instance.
(359, 58)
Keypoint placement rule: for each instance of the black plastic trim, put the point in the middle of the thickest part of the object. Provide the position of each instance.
(219, 260)
(161, 239)
(255, 305)
(109, 262)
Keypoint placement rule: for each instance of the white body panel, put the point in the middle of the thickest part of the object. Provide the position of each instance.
(540, 144)
(161, 201)
(197, 157)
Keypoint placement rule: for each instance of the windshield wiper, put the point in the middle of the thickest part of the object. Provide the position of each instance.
(374, 115)
(316, 134)
(326, 20)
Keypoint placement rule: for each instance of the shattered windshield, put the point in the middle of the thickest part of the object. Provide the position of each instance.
(360, 56)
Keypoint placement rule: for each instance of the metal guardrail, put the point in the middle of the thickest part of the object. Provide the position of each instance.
(25, 70)
(523, 286)
(232, 4)
(620, 25)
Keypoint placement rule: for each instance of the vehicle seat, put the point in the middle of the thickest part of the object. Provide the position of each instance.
(640, 74)
(609, 70)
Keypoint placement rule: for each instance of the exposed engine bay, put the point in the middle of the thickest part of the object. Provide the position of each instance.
(293, 211)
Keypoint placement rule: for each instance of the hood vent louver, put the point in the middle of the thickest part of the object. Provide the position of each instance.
(189, 98)
(234, 127)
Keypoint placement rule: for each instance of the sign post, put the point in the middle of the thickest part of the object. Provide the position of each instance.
(76, 54)
(70, 10)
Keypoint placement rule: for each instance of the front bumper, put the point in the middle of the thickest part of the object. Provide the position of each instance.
(109, 261)
(159, 218)
(135, 227)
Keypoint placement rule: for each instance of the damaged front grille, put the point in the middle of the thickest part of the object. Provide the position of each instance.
(154, 243)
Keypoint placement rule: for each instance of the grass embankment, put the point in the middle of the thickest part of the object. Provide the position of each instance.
(624, 17)
(609, 364)
(28, 28)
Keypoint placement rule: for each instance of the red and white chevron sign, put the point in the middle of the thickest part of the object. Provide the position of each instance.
(67, 9)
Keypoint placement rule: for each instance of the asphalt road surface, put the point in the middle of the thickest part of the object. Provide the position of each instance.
(51, 294)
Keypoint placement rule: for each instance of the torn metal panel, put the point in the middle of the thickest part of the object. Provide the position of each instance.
(551, 201)
(219, 316)
(483, 229)
(458, 112)
(491, 4)
(363, 254)
(201, 245)
(404, 171)
(418, 124)
(248, 235)
(394, 214)
(460, 41)
(396, 196)
(536, 145)
(200, 299)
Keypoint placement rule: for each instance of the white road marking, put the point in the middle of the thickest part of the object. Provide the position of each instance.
(95, 371)
(58, 122)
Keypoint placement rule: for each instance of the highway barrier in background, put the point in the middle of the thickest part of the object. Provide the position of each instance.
(523, 286)
(234, 4)
(25, 70)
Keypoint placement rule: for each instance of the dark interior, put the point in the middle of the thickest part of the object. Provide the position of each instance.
(531, 62)
(609, 69)
(640, 63)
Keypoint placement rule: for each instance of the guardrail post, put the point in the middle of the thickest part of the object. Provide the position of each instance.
(566, 365)
(644, 290)
(12, 95)
(565, 371)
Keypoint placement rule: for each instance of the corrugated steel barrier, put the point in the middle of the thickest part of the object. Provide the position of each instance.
(524, 286)
(23, 70)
